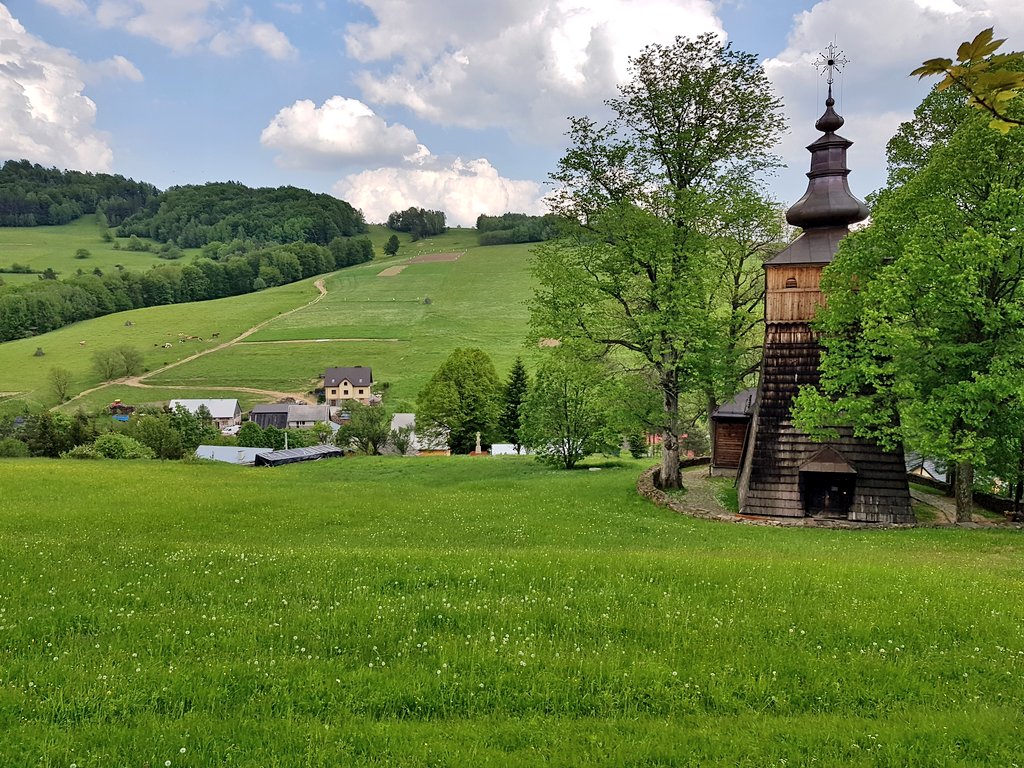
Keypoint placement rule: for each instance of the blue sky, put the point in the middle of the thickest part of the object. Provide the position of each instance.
(451, 104)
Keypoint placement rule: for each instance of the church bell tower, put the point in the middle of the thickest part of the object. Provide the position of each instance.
(783, 472)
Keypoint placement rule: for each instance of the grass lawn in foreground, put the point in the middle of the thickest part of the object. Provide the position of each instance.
(461, 611)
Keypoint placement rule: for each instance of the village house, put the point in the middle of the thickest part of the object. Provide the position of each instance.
(225, 413)
(291, 415)
(420, 445)
(339, 384)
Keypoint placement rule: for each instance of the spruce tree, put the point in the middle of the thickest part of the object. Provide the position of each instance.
(514, 395)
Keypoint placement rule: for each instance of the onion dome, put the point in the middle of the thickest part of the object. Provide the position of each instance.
(828, 201)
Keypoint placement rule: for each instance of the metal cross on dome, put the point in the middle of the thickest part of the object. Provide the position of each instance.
(831, 60)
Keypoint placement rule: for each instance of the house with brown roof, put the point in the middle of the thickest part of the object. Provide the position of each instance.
(340, 384)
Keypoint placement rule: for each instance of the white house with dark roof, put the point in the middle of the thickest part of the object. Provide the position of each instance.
(292, 415)
(421, 444)
(225, 413)
(340, 384)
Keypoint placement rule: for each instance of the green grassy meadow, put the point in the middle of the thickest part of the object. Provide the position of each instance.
(383, 322)
(485, 612)
(21, 371)
(55, 247)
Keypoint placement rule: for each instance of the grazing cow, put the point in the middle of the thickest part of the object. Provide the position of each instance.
(81, 343)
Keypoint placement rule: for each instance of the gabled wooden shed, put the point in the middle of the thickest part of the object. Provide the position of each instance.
(784, 472)
(729, 424)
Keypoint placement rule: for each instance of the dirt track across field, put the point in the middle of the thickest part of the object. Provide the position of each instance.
(429, 257)
(139, 381)
(308, 341)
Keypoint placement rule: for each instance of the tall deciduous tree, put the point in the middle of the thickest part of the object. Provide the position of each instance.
(462, 398)
(748, 231)
(391, 246)
(566, 415)
(924, 328)
(638, 272)
(367, 430)
(60, 381)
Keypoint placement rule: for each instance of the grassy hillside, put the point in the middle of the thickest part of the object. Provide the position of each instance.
(55, 247)
(403, 325)
(21, 371)
(484, 612)
(383, 322)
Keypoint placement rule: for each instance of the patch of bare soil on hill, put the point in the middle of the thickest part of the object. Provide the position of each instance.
(391, 271)
(549, 343)
(429, 257)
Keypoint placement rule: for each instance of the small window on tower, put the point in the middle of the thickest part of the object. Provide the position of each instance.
(791, 282)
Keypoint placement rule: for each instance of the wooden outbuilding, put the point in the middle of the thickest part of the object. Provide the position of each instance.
(729, 424)
(784, 473)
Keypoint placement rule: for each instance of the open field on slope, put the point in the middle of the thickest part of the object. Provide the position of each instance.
(21, 371)
(478, 300)
(484, 612)
(454, 239)
(383, 322)
(55, 247)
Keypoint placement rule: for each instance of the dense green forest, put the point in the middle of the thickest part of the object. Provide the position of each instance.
(192, 216)
(31, 195)
(515, 228)
(251, 239)
(223, 270)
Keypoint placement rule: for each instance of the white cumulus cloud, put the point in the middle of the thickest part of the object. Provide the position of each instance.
(462, 189)
(883, 40)
(67, 7)
(253, 34)
(340, 132)
(114, 68)
(44, 115)
(185, 25)
(520, 64)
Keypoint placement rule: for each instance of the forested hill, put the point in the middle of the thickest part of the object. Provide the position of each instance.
(194, 215)
(188, 216)
(31, 195)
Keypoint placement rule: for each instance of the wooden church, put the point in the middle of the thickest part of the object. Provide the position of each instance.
(782, 472)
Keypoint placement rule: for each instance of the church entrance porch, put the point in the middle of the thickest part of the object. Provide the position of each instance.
(828, 483)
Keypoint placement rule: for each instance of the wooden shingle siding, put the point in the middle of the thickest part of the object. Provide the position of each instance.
(770, 480)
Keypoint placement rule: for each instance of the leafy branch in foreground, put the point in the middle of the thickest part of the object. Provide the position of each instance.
(990, 79)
